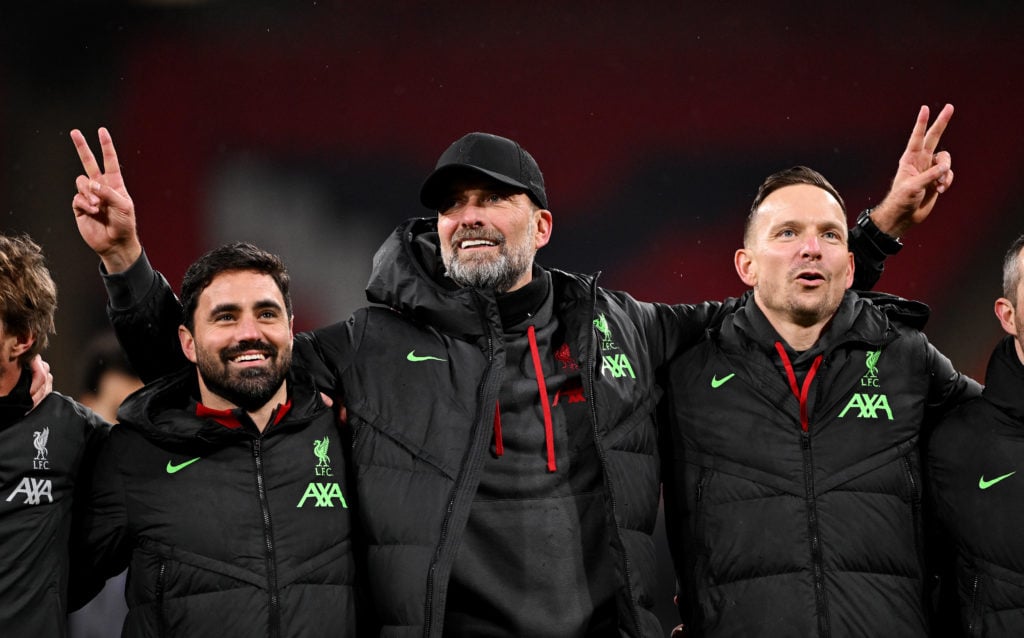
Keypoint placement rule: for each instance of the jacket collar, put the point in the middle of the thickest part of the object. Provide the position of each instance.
(854, 321)
(1004, 379)
(18, 402)
(166, 409)
(408, 276)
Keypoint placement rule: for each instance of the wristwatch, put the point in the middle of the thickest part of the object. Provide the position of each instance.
(886, 243)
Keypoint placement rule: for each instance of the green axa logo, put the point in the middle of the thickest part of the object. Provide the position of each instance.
(868, 406)
(870, 378)
(323, 494)
(323, 466)
(617, 365)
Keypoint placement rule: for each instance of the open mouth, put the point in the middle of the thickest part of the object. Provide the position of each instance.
(476, 243)
(249, 357)
(810, 277)
(248, 353)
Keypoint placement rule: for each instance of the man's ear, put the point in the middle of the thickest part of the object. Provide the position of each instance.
(746, 268)
(22, 344)
(542, 227)
(1006, 313)
(188, 343)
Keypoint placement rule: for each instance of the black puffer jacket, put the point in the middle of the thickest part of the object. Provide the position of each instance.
(226, 531)
(423, 426)
(976, 464)
(45, 459)
(420, 376)
(798, 512)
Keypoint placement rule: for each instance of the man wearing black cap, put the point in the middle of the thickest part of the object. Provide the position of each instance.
(502, 413)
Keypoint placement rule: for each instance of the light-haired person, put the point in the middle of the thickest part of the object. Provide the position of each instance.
(45, 454)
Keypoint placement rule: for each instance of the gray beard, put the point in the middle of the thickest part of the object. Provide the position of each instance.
(499, 275)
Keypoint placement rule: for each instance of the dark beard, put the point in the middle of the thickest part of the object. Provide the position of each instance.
(249, 388)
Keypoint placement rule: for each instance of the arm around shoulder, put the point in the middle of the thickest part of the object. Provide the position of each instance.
(949, 387)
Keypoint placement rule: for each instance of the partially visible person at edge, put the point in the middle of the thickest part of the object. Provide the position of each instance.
(974, 457)
(106, 378)
(793, 482)
(223, 489)
(503, 412)
(45, 455)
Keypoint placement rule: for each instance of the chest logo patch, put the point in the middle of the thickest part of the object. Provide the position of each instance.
(564, 357)
(323, 493)
(174, 468)
(39, 439)
(984, 485)
(870, 378)
(717, 383)
(34, 490)
(323, 464)
(617, 365)
(415, 358)
(869, 405)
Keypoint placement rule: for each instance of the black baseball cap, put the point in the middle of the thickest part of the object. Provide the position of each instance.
(498, 158)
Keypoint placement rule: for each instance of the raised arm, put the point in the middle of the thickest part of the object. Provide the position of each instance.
(104, 211)
(142, 307)
(921, 175)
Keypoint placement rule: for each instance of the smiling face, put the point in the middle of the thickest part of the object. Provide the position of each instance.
(490, 234)
(240, 341)
(795, 256)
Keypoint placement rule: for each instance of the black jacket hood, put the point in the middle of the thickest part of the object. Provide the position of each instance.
(912, 313)
(156, 409)
(849, 324)
(1004, 378)
(408, 277)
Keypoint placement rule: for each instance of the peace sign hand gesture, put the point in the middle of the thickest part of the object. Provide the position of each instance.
(921, 176)
(103, 208)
